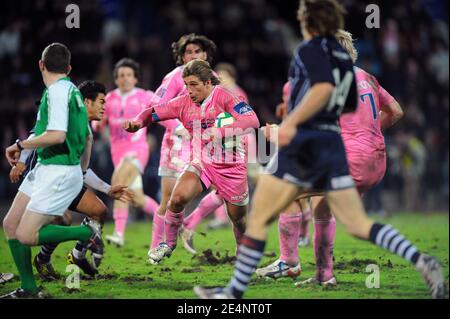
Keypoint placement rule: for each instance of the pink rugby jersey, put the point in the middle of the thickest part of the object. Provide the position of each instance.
(197, 118)
(119, 108)
(361, 130)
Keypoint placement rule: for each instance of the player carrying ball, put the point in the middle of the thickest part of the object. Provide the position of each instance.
(198, 111)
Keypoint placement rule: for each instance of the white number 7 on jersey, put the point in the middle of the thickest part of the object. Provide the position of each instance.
(340, 91)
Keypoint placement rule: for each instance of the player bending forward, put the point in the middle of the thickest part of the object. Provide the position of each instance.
(86, 202)
(212, 164)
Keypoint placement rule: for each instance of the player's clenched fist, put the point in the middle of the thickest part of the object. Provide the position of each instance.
(132, 126)
(12, 154)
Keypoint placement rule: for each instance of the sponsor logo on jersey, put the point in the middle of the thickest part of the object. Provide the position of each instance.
(243, 108)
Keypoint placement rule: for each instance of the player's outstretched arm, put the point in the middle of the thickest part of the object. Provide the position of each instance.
(119, 192)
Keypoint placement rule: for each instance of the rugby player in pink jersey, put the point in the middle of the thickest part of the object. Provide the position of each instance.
(214, 202)
(366, 155)
(198, 110)
(175, 148)
(130, 152)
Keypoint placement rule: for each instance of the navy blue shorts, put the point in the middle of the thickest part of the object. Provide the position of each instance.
(314, 160)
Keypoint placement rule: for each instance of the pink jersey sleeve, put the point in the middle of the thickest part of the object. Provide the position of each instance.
(170, 110)
(162, 111)
(243, 94)
(243, 114)
(171, 87)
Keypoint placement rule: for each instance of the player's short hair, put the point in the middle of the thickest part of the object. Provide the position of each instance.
(227, 67)
(126, 62)
(323, 17)
(200, 69)
(179, 47)
(56, 58)
(346, 40)
(91, 89)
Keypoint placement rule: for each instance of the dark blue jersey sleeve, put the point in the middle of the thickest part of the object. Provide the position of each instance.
(316, 63)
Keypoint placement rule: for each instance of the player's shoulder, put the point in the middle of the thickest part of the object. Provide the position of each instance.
(181, 99)
(177, 72)
(222, 92)
(363, 75)
(61, 86)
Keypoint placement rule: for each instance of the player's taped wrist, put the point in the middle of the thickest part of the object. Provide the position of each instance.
(24, 155)
(146, 117)
(92, 180)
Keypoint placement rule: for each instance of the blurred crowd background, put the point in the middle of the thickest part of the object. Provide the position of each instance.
(408, 54)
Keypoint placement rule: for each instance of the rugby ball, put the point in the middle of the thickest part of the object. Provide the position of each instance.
(222, 120)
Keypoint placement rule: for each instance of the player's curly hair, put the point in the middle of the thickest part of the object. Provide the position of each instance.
(179, 47)
(321, 17)
(200, 69)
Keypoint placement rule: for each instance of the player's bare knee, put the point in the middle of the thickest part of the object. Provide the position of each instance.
(9, 227)
(26, 238)
(67, 219)
(177, 202)
(237, 217)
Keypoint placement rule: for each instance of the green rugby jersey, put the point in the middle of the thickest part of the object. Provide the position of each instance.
(62, 109)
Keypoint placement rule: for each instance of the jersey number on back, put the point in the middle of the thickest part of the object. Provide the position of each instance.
(372, 103)
(340, 92)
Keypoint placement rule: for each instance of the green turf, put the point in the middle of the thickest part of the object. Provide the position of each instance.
(125, 273)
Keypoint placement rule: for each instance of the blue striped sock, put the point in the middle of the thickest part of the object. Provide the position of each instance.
(389, 238)
(249, 254)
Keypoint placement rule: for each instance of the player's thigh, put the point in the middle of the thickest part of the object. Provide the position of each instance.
(30, 224)
(347, 207)
(320, 208)
(272, 196)
(187, 186)
(92, 206)
(14, 215)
